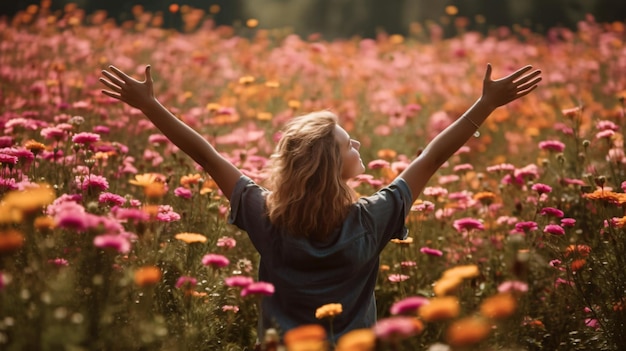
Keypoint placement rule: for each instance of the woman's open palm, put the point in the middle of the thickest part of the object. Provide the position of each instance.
(127, 89)
(512, 87)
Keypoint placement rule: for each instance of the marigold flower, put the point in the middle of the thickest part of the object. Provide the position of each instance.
(34, 146)
(29, 200)
(313, 334)
(499, 306)
(191, 238)
(190, 179)
(406, 241)
(11, 240)
(440, 308)
(446, 285)
(329, 311)
(155, 190)
(463, 272)
(485, 197)
(581, 250)
(605, 195)
(468, 331)
(397, 328)
(357, 340)
(147, 275)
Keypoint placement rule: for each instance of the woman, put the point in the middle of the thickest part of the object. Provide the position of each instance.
(319, 244)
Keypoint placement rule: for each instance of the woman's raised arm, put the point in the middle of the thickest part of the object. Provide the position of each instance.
(495, 93)
(140, 95)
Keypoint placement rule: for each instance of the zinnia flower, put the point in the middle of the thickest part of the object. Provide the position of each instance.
(554, 229)
(431, 252)
(541, 188)
(467, 224)
(552, 145)
(92, 181)
(258, 288)
(397, 328)
(408, 305)
(117, 242)
(551, 211)
(238, 281)
(85, 138)
(216, 261)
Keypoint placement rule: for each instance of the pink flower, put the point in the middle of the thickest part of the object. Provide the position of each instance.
(186, 282)
(166, 214)
(551, 211)
(92, 181)
(552, 145)
(258, 288)
(541, 188)
(409, 305)
(525, 227)
(568, 222)
(59, 262)
(435, 191)
(216, 261)
(605, 134)
(132, 214)
(431, 252)
(503, 167)
(592, 323)
(226, 242)
(554, 229)
(424, 206)
(119, 243)
(232, 308)
(158, 139)
(513, 286)
(54, 133)
(408, 264)
(85, 138)
(110, 198)
(398, 327)
(378, 164)
(397, 278)
(463, 168)
(183, 192)
(467, 224)
(238, 281)
(8, 159)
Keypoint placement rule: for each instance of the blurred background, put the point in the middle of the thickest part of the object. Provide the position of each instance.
(347, 18)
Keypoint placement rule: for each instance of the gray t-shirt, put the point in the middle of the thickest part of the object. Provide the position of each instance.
(308, 274)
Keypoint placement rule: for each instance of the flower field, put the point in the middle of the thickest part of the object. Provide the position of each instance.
(112, 239)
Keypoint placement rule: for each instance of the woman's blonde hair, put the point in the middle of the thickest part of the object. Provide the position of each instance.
(308, 196)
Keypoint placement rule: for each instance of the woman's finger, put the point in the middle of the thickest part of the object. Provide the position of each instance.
(123, 76)
(113, 78)
(110, 85)
(513, 76)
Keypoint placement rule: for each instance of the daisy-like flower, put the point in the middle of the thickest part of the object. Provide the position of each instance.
(191, 238)
(330, 310)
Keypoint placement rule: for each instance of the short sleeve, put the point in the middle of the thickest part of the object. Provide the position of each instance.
(248, 211)
(385, 211)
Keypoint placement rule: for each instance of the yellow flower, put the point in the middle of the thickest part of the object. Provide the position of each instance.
(145, 179)
(30, 200)
(264, 116)
(499, 306)
(440, 308)
(147, 275)
(329, 311)
(468, 331)
(191, 238)
(294, 104)
(357, 340)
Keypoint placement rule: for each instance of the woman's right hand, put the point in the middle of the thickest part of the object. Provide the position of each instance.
(127, 89)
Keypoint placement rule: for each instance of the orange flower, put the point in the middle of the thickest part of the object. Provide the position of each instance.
(154, 190)
(463, 272)
(578, 250)
(191, 238)
(357, 340)
(604, 195)
(147, 179)
(407, 241)
(308, 335)
(444, 286)
(387, 154)
(30, 200)
(34, 146)
(190, 179)
(440, 308)
(44, 223)
(294, 104)
(147, 275)
(468, 331)
(499, 306)
(245, 80)
(11, 240)
(329, 311)
(578, 264)
(485, 197)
